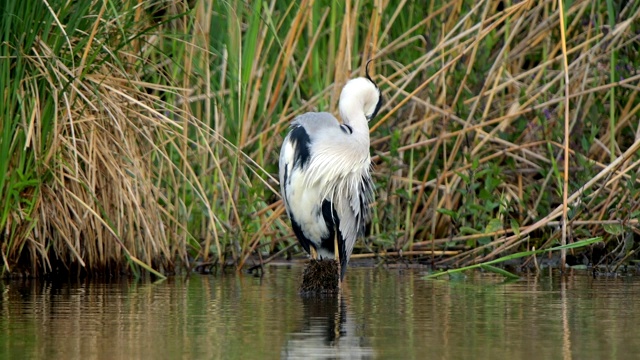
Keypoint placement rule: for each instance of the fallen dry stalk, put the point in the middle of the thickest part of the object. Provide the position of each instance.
(406, 253)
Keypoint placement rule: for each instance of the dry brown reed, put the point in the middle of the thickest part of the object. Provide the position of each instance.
(486, 99)
(113, 159)
(511, 119)
(499, 117)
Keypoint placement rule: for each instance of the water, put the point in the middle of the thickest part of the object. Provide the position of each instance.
(381, 314)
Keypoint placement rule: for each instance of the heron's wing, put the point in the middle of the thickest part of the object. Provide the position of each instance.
(296, 149)
(304, 203)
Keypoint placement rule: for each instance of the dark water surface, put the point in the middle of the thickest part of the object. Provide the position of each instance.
(381, 314)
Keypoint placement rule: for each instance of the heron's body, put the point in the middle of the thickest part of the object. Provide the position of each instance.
(325, 174)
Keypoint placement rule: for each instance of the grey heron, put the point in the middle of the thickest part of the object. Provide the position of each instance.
(325, 178)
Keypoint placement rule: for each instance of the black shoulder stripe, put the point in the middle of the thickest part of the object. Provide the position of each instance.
(301, 143)
(304, 241)
(333, 224)
(346, 128)
(285, 176)
(331, 219)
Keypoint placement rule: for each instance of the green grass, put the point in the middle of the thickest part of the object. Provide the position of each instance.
(488, 265)
(141, 136)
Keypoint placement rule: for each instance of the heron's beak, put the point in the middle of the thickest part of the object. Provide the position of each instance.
(314, 253)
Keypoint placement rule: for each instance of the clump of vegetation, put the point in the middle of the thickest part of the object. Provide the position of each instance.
(146, 135)
(321, 277)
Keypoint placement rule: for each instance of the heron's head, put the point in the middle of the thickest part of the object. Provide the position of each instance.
(360, 96)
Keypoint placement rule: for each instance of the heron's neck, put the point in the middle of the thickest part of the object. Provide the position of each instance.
(358, 122)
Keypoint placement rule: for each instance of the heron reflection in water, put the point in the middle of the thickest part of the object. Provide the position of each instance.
(329, 331)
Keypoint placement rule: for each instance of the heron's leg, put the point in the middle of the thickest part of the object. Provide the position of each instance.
(314, 253)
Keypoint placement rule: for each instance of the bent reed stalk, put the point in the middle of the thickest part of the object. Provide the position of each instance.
(145, 136)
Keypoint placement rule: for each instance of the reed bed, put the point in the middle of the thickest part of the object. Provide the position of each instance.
(145, 135)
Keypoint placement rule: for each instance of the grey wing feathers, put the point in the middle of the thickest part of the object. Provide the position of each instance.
(355, 212)
(365, 198)
(316, 122)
